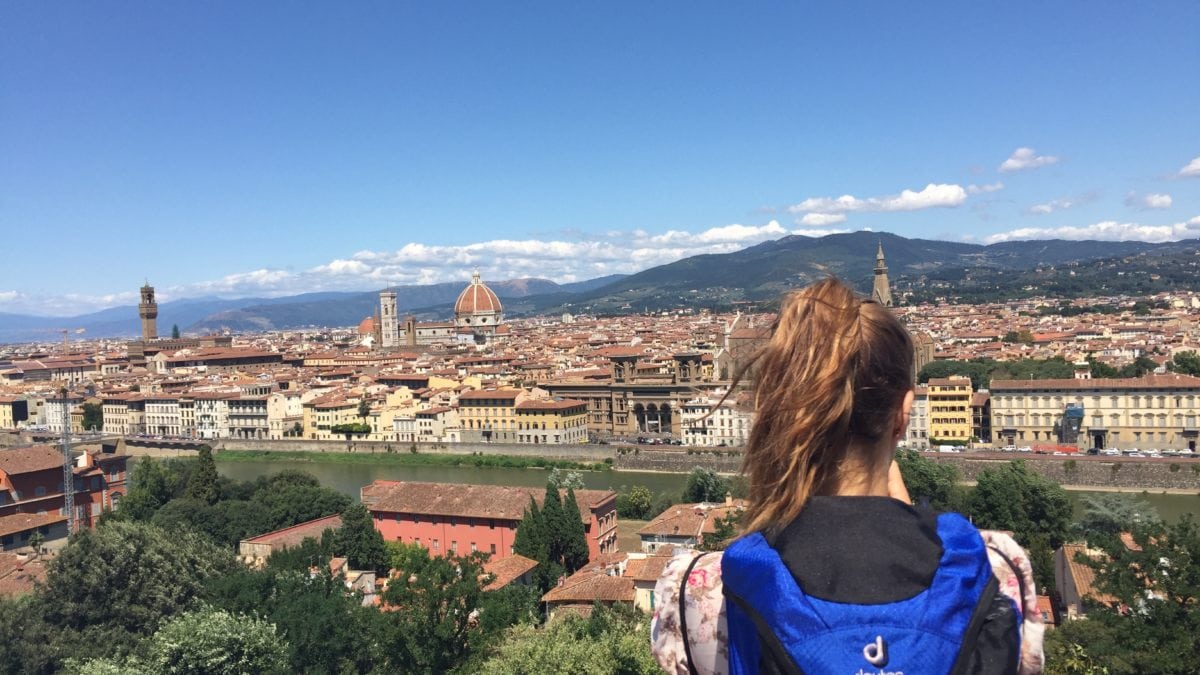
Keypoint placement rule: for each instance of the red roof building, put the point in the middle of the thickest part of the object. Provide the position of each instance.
(456, 518)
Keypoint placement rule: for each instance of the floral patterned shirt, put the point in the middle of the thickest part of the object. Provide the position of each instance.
(705, 606)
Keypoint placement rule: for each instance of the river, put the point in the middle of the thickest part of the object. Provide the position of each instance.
(348, 478)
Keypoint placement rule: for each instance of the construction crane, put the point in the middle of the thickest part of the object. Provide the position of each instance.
(66, 332)
(68, 463)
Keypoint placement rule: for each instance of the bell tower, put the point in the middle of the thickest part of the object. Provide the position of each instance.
(882, 292)
(148, 310)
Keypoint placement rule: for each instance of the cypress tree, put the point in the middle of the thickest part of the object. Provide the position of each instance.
(553, 524)
(202, 484)
(525, 541)
(359, 541)
(575, 548)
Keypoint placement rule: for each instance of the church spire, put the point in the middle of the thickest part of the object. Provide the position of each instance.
(882, 292)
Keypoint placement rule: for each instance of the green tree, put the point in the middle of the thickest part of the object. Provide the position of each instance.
(932, 482)
(704, 485)
(327, 630)
(364, 408)
(725, 528)
(1100, 369)
(1032, 507)
(597, 646)
(28, 643)
(111, 585)
(215, 642)
(575, 546)
(152, 483)
(1140, 366)
(430, 631)
(566, 479)
(93, 417)
(1152, 624)
(175, 331)
(1108, 514)
(553, 522)
(635, 503)
(359, 541)
(1187, 362)
(532, 540)
(202, 485)
(350, 430)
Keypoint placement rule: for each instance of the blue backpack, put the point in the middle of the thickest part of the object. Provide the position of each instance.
(932, 632)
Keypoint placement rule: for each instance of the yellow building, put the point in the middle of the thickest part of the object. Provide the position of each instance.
(563, 421)
(13, 409)
(1152, 412)
(321, 414)
(490, 414)
(949, 409)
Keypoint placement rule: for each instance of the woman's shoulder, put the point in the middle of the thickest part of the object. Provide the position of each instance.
(696, 577)
(1012, 569)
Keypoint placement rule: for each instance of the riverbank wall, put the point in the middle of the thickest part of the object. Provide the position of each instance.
(1182, 475)
(1084, 473)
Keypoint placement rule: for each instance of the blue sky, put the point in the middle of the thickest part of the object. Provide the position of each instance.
(258, 149)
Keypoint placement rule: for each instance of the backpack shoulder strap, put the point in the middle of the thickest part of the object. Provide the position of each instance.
(971, 636)
(683, 627)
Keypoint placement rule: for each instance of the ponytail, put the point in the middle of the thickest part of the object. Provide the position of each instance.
(834, 372)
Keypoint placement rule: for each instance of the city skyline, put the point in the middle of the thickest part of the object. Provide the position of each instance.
(244, 152)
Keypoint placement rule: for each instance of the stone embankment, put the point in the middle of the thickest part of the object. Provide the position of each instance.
(1082, 472)
(1092, 472)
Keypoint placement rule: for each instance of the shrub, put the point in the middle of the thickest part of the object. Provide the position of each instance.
(1174, 468)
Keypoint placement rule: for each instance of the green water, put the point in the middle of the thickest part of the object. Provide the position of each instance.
(348, 478)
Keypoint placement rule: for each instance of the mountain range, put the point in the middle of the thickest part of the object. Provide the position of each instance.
(920, 270)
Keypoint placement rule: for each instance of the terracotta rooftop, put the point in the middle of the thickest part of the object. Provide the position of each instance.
(590, 585)
(471, 501)
(688, 520)
(1171, 381)
(18, 574)
(16, 461)
(506, 570)
(296, 534)
(485, 394)
(23, 522)
(1083, 576)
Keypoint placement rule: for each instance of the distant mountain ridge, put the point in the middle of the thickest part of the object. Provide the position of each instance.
(919, 269)
(194, 315)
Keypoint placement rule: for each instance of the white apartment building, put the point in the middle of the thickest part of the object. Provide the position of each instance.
(707, 421)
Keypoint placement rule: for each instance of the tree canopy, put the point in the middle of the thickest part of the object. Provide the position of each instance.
(359, 541)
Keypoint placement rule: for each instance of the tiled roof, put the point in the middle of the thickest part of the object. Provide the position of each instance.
(1083, 576)
(23, 522)
(688, 520)
(470, 501)
(490, 394)
(589, 585)
(296, 534)
(506, 570)
(15, 461)
(18, 576)
(1172, 381)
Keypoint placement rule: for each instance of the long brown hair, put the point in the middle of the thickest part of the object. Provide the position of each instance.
(833, 374)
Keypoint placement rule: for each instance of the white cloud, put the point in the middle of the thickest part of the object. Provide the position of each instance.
(1052, 206)
(973, 189)
(1153, 200)
(1026, 158)
(821, 219)
(934, 195)
(1192, 169)
(561, 259)
(1109, 230)
(819, 232)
